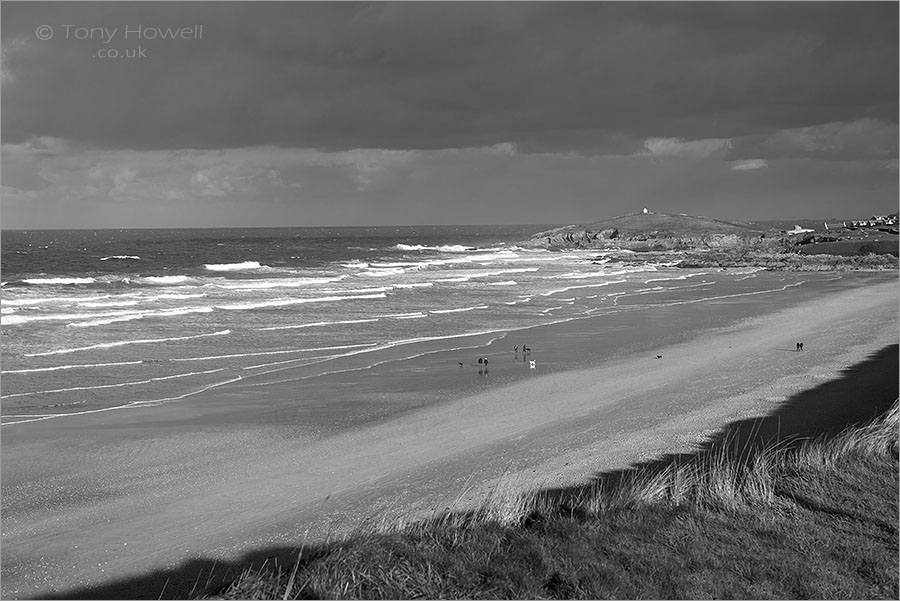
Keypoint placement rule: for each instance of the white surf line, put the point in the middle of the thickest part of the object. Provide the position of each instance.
(497, 272)
(27, 415)
(655, 290)
(59, 367)
(316, 324)
(262, 353)
(296, 301)
(698, 300)
(681, 277)
(16, 319)
(311, 360)
(560, 290)
(462, 310)
(119, 385)
(124, 343)
(130, 405)
(709, 298)
(20, 302)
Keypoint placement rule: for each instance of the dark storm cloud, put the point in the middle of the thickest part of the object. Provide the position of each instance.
(587, 77)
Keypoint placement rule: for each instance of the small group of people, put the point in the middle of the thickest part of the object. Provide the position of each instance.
(525, 351)
(483, 361)
(482, 366)
(799, 346)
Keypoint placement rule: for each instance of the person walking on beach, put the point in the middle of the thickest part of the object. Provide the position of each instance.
(516, 349)
(801, 345)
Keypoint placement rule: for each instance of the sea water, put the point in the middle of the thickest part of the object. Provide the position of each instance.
(93, 320)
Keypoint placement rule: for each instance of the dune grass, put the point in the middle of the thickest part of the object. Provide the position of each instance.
(798, 519)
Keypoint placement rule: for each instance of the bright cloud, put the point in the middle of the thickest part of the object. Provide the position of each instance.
(749, 164)
(693, 149)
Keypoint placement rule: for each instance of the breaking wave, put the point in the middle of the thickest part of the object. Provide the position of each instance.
(246, 265)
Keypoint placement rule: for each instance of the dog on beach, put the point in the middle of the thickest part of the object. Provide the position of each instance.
(531, 364)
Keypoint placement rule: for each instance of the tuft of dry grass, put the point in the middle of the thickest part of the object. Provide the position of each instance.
(877, 440)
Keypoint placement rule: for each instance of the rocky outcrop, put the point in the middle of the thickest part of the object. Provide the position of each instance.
(648, 231)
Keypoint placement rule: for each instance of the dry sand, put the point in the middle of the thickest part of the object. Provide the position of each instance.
(133, 501)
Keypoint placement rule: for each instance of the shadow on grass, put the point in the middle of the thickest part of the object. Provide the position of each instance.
(191, 578)
(864, 391)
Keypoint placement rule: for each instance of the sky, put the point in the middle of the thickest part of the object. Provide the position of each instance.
(259, 114)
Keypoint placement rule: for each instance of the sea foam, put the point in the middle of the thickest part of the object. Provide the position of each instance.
(59, 281)
(245, 265)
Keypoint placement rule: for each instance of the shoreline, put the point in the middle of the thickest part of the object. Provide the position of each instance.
(275, 490)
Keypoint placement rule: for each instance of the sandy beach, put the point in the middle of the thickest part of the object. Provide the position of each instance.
(94, 500)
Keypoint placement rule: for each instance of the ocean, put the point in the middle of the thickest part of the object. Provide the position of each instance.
(111, 319)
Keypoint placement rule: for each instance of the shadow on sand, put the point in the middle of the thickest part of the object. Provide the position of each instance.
(863, 392)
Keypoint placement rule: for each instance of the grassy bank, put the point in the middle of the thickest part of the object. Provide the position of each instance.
(801, 519)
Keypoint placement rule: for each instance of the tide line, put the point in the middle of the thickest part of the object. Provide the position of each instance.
(59, 367)
(133, 404)
(124, 343)
(283, 352)
(119, 385)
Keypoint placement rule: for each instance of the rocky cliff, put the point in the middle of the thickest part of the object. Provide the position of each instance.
(656, 232)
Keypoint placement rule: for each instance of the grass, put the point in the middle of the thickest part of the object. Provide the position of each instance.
(802, 519)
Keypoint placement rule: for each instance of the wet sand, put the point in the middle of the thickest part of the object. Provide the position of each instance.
(105, 496)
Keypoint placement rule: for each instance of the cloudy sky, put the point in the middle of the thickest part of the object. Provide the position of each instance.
(340, 113)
